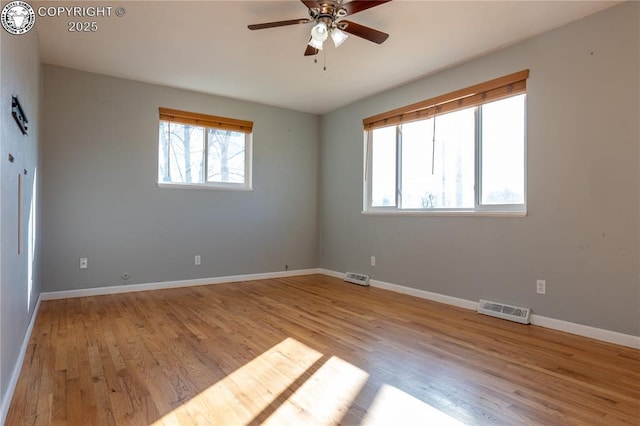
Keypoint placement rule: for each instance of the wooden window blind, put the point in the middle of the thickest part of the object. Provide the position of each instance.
(502, 87)
(212, 121)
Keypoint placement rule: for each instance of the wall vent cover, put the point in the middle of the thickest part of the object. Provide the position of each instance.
(504, 311)
(352, 277)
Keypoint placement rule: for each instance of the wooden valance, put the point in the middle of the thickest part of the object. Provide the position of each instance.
(509, 85)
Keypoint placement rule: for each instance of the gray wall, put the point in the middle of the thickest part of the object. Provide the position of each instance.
(581, 233)
(101, 199)
(19, 285)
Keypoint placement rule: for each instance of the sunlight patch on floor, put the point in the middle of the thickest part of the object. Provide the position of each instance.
(395, 407)
(324, 398)
(245, 393)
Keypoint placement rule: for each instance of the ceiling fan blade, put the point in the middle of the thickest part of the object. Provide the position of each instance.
(356, 6)
(365, 32)
(310, 51)
(278, 24)
(310, 3)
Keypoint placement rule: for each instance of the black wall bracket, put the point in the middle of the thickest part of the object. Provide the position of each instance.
(18, 114)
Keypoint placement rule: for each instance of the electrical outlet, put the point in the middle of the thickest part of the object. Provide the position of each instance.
(541, 287)
(83, 263)
(196, 261)
(373, 261)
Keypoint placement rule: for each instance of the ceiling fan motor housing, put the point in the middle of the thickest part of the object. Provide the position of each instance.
(327, 11)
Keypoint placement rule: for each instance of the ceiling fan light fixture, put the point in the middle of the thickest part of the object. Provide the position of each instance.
(319, 32)
(338, 36)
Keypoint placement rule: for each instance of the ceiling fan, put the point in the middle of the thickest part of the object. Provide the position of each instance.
(327, 18)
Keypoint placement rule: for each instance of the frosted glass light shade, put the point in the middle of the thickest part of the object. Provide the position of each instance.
(338, 36)
(320, 32)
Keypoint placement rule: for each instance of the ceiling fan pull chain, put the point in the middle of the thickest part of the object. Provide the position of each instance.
(324, 55)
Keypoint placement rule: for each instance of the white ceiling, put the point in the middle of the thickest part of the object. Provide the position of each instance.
(205, 45)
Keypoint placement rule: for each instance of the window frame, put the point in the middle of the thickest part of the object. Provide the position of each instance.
(430, 108)
(209, 122)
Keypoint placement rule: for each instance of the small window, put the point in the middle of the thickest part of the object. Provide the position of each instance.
(462, 153)
(203, 151)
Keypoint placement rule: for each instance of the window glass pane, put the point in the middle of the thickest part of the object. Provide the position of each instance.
(448, 181)
(226, 156)
(383, 170)
(181, 154)
(417, 145)
(503, 151)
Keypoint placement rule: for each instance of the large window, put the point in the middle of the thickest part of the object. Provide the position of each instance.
(197, 150)
(462, 153)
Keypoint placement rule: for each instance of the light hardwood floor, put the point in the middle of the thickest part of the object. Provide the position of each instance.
(310, 350)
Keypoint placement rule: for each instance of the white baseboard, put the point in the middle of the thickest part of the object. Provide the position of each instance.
(15, 374)
(587, 331)
(128, 288)
(539, 320)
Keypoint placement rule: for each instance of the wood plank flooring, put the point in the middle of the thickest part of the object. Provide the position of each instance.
(310, 350)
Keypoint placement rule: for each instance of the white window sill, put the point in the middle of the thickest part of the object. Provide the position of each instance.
(473, 213)
(206, 186)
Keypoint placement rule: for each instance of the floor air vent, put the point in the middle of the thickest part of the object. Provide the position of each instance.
(504, 311)
(354, 278)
